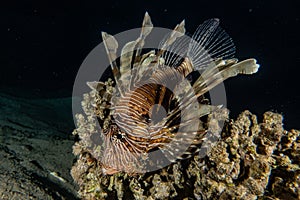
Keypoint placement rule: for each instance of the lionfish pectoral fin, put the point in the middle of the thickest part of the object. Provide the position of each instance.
(211, 78)
(219, 64)
(184, 131)
(184, 143)
(209, 42)
(248, 66)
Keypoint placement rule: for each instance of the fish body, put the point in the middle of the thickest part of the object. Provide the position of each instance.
(152, 117)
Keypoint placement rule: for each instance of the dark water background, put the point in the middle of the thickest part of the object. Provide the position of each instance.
(44, 43)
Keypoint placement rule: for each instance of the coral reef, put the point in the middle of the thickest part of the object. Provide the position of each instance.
(250, 161)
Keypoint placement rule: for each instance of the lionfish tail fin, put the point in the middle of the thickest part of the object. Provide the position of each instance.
(209, 42)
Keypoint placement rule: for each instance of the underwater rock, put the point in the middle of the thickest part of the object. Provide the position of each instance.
(250, 161)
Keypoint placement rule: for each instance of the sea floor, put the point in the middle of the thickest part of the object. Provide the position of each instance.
(36, 148)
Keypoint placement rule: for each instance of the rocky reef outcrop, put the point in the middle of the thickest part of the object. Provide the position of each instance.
(251, 160)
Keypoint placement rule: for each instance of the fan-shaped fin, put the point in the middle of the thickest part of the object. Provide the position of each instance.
(188, 134)
(209, 42)
(176, 52)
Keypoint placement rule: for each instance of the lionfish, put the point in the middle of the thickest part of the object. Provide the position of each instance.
(153, 114)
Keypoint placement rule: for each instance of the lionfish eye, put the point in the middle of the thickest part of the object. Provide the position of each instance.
(146, 118)
(119, 136)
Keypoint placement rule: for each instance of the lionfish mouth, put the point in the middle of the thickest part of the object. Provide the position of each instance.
(160, 77)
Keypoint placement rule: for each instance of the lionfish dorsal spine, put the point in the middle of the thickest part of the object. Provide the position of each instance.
(178, 32)
(126, 61)
(111, 47)
(130, 51)
(145, 31)
(147, 26)
(172, 48)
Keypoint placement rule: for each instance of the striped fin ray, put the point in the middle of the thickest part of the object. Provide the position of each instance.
(132, 50)
(178, 139)
(211, 69)
(181, 140)
(173, 47)
(181, 128)
(200, 111)
(145, 69)
(175, 53)
(125, 62)
(209, 41)
(146, 29)
(184, 139)
(95, 85)
(170, 38)
(137, 69)
(111, 46)
(224, 70)
(120, 154)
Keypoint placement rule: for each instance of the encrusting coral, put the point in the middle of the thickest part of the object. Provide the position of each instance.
(251, 160)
